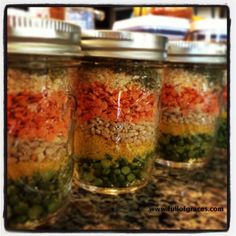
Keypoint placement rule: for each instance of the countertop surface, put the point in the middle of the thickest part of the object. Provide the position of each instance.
(205, 187)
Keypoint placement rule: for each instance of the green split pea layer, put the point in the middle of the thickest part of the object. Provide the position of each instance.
(31, 199)
(184, 148)
(118, 173)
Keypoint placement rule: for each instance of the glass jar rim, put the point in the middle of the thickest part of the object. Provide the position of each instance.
(197, 52)
(124, 45)
(40, 36)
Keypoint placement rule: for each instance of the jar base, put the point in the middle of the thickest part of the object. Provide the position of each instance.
(111, 191)
(182, 165)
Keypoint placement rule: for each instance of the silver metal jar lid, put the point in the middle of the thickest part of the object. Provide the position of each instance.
(197, 52)
(124, 44)
(38, 36)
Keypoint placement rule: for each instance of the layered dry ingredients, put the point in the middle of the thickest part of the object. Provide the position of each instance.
(190, 109)
(222, 135)
(38, 167)
(117, 118)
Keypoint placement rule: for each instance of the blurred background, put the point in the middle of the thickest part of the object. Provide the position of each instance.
(177, 23)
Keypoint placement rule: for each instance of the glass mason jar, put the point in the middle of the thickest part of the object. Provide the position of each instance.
(190, 103)
(117, 110)
(39, 121)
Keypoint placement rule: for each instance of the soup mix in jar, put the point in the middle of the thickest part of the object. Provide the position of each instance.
(117, 115)
(190, 103)
(222, 135)
(39, 112)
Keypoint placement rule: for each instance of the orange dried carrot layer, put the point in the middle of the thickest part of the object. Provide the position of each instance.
(37, 115)
(98, 100)
(189, 99)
